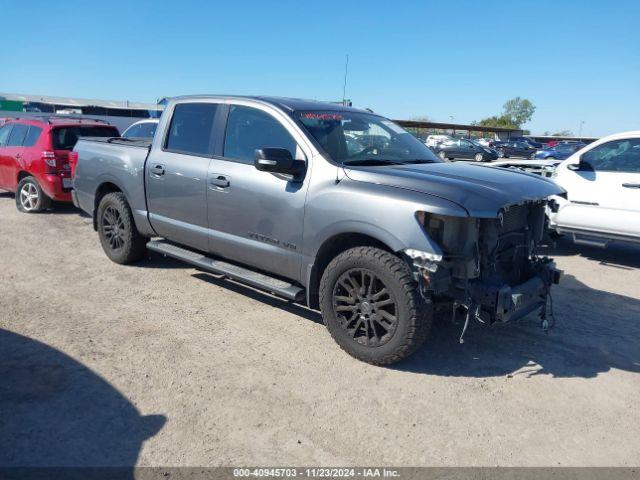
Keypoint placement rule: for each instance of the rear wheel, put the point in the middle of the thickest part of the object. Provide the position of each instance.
(371, 306)
(442, 154)
(30, 198)
(501, 154)
(117, 231)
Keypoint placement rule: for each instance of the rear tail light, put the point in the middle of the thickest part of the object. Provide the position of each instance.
(49, 158)
(73, 161)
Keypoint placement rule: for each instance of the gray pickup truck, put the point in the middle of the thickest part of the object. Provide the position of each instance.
(336, 207)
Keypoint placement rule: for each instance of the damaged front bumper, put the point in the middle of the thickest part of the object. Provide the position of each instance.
(491, 301)
(503, 303)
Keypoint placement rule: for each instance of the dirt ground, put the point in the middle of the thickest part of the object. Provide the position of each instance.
(159, 364)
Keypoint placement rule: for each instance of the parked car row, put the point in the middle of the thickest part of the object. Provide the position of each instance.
(483, 149)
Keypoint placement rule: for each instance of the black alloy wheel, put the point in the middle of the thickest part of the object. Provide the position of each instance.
(365, 308)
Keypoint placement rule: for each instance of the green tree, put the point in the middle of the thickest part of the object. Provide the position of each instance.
(502, 121)
(519, 110)
(515, 113)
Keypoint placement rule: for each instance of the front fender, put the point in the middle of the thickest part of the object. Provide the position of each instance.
(385, 213)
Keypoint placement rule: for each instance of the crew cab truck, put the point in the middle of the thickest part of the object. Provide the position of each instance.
(34, 157)
(324, 204)
(602, 203)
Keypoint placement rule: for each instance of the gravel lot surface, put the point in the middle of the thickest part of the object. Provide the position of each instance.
(159, 364)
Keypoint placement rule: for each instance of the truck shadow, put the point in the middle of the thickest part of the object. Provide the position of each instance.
(62, 208)
(595, 331)
(54, 411)
(619, 255)
(262, 297)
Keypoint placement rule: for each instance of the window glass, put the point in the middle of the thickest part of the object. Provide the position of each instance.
(32, 136)
(4, 135)
(565, 148)
(616, 156)
(249, 129)
(191, 129)
(17, 135)
(382, 141)
(132, 132)
(65, 138)
(147, 130)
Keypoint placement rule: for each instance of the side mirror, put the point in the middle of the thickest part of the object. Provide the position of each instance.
(580, 167)
(277, 160)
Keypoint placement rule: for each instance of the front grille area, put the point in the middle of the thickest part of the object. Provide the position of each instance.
(506, 244)
(515, 218)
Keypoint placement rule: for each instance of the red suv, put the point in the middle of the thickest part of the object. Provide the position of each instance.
(34, 157)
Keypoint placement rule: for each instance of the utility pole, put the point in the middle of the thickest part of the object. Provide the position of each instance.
(580, 129)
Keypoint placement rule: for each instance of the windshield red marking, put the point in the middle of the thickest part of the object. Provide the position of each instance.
(322, 116)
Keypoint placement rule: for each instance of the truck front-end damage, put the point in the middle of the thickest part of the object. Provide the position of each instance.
(488, 266)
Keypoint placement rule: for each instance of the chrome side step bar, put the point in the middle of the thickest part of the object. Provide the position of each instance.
(590, 241)
(228, 270)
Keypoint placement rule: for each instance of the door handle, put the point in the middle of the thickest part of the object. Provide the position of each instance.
(631, 185)
(221, 181)
(157, 170)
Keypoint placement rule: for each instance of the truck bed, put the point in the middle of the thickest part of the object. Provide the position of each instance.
(117, 162)
(130, 142)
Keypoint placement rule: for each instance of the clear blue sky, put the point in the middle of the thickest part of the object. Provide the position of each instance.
(575, 60)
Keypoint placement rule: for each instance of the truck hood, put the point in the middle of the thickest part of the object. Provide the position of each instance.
(481, 190)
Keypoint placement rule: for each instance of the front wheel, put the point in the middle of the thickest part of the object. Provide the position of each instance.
(371, 306)
(30, 198)
(442, 154)
(501, 154)
(478, 157)
(117, 231)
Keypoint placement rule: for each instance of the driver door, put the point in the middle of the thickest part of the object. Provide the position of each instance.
(255, 217)
(467, 149)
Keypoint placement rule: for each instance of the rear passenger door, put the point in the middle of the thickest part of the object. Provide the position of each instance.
(176, 175)
(12, 155)
(255, 217)
(5, 159)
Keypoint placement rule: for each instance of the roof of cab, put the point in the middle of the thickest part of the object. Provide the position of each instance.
(285, 103)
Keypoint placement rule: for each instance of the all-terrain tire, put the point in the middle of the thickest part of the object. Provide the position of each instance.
(30, 198)
(414, 314)
(114, 218)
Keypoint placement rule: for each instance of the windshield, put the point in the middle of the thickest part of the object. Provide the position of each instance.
(354, 138)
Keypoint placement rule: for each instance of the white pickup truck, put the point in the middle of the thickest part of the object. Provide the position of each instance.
(602, 204)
